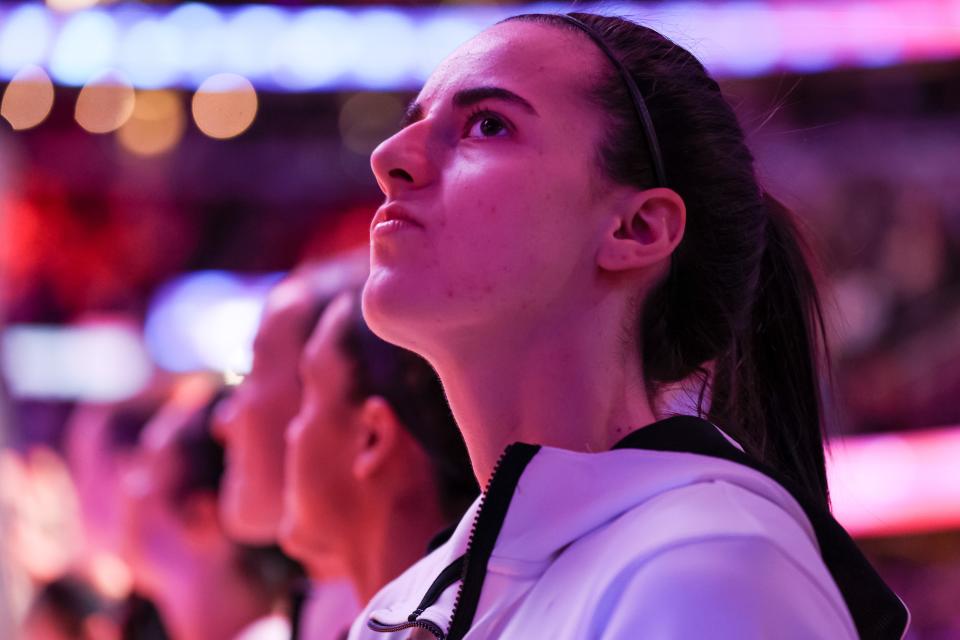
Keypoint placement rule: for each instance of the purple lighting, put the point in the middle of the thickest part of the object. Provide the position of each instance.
(390, 48)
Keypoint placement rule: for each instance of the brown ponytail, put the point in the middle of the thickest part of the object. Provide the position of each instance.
(766, 387)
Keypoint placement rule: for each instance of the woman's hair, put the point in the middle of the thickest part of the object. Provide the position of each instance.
(414, 392)
(739, 299)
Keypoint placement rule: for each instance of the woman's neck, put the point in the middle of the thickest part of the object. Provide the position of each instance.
(572, 384)
(400, 518)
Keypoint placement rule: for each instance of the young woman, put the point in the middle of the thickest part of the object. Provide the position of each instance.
(572, 225)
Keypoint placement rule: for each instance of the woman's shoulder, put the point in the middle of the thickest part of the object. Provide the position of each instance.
(695, 515)
(735, 587)
(710, 559)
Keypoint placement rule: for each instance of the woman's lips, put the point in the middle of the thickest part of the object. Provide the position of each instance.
(390, 218)
(392, 226)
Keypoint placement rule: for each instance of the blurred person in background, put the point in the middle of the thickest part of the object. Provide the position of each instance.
(68, 609)
(376, 467)
(205, 585)
(101, 443)
(252, 422)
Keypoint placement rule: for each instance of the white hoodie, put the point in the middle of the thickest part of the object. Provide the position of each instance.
(675, 537)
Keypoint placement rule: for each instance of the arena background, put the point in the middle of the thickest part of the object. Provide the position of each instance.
(158, 171)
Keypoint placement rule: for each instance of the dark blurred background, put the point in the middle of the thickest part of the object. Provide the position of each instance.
(161, 164)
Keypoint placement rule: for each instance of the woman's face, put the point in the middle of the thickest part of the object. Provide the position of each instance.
(497, 168)
(319, 506)
(251, 422)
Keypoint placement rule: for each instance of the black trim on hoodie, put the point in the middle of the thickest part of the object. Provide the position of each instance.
(486, 529)
(876, 610)
(452, 573)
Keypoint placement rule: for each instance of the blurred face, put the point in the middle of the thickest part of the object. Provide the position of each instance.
(154, 531)
(319, 503)
(490, 192)
(253, 420)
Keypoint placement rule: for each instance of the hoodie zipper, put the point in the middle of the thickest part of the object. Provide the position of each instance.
(471, 567)
(447, 577)
(491, 513)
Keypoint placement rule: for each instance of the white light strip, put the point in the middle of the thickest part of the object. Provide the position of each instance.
(896, 483)
(207, 320)
(389, 48)
(102, 362)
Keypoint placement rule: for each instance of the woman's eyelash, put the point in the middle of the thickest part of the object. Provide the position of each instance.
(479, 113)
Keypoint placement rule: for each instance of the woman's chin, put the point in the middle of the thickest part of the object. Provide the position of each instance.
(395, 310)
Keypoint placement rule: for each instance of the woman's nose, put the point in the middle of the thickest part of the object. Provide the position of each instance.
(401, 161)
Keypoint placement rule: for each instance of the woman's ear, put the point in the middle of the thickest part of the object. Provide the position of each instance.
(644, 231)
(378, 431)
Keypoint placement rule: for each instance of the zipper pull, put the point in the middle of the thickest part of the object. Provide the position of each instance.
(420, 629)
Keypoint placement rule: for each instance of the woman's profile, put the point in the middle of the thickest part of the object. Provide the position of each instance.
(572, 224)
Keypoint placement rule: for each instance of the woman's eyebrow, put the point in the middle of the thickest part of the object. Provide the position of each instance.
(468, 97)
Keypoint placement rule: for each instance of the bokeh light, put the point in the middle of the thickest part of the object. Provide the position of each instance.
(368, 118)
(439, 35)
(156, 125)
(390, 52)
(85, 45)
(201, 39)
(96, 361)
(25, 35)
(105, 103)
(151, 52)
(260, 24)
(207, 321)
(224, 105)
(70, 5)
(28, 98)
(314, 47)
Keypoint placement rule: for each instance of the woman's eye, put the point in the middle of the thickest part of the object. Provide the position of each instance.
(486, 126)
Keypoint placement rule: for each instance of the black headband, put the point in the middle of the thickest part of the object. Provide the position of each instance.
(653, 147)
